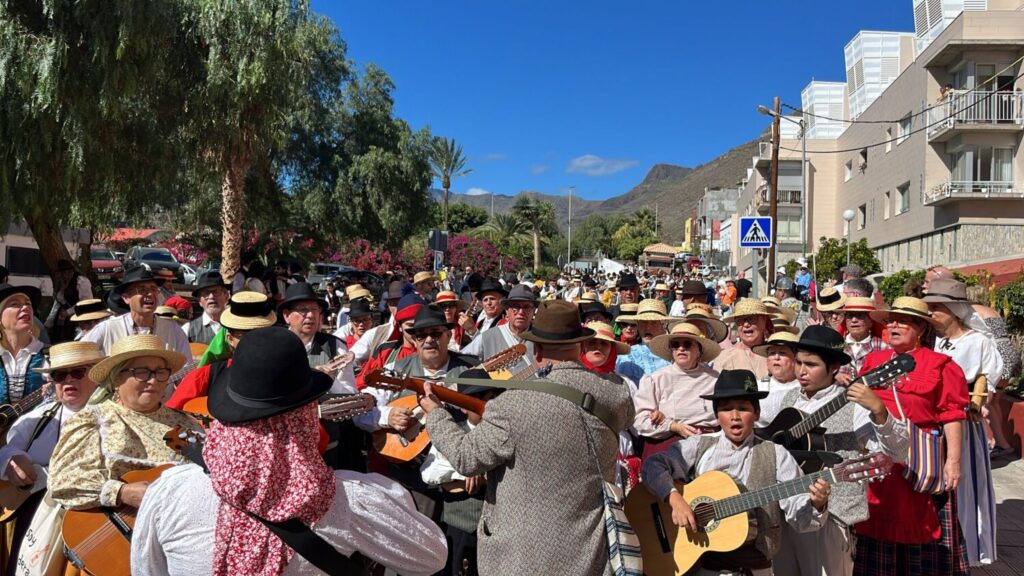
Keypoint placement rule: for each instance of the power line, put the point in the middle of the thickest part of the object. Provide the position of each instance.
(901, 137)
(916, 114)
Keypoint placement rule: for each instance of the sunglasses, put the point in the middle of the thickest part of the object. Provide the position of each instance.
(144, 374)
(684, 344)
(447, 306)
(435, 334)
(61, 375)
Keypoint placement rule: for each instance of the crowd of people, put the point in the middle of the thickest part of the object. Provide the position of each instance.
(628, 381)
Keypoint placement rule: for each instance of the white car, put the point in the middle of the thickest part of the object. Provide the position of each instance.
(189, 273)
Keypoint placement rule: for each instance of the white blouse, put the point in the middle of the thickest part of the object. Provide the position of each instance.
(976, 354)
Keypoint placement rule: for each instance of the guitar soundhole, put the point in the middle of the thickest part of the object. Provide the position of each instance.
(704, 511)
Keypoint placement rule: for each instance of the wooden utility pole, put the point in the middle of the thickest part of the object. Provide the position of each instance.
(773, 206)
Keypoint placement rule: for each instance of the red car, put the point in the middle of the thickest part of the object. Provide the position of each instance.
(108, 269)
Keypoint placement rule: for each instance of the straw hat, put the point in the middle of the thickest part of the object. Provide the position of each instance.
(788, 313)
(859, 304)
(603, 331)
(772, 303)
(661, 286)
(91, 309)
(686, 331)
(71, 354)
(905, 306)
(776, 339)
(136, 346)
(748, 307)
(702, 315)
(351, 288)
(448, 297)
(171, 313)
(651, 309)
(248, 311)
(627, 314)
(780, 322)
(358, 293)
(830, 299)
(422, 277)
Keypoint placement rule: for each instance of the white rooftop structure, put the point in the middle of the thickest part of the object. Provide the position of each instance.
(932, 16)
(824, 103)
(872, 63)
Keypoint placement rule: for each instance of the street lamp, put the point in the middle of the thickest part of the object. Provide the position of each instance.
(848, 215)
(761, 108)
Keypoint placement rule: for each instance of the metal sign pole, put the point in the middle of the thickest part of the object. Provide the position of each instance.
(757, 268)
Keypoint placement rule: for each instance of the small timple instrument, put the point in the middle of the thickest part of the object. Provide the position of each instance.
(338, 363)
(720, 508)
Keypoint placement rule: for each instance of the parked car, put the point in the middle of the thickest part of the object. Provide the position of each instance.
(154, 259)
(107, 268)
(189, 274)
(320, 271)
(208, 266)
(372, 282)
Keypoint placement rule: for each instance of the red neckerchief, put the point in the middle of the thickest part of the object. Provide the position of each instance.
(609, 365)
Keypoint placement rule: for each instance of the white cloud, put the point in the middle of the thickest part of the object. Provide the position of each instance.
(477, 192)
(592, 165)
(495, 156)
(538, 169)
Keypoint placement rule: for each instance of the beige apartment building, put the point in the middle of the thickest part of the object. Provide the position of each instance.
(931, 163)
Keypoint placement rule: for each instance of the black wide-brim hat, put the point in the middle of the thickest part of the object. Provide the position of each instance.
(428, 317)
(209, 280)
(592, 307)
(114, 302)
(825, 342)
(736, 384)
(628, 280)
(298, 292)
(135, 275)
(269, 375)
(359, 308)
(34, 294)
(491, 285)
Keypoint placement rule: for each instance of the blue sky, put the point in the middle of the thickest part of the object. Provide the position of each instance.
(544, 95)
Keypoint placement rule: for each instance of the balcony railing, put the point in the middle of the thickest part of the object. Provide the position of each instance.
(787, 197)
(965, 108)
(967, 190)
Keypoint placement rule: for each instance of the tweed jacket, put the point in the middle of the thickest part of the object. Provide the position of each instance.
(543, 511)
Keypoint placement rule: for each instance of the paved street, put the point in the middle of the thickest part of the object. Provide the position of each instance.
(1008, 474)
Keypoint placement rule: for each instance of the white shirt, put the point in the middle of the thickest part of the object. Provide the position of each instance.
(41, 450)
(113, 329)
(176, 524)
(678, 309)
(976, 354)
(16, 366)
(363, 347)
(207, 321)
(772, 405)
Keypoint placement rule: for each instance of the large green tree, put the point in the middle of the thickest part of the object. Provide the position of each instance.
(831, 256)
(539, 217)
(462, 217)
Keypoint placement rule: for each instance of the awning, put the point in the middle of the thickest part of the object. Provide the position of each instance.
(1003, 272)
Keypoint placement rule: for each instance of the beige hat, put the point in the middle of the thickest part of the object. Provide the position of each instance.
(448, 297)
(684, 330)
(748, 307)
(905, 306)
(627, 314)
(859, 304)
(136, 346)
(603, 331)
(652, 309)
(353, 288)
(91, 309)
(422, 276)
(171, 313)
(701, 315)
(248, 311)
(781, 323)
(776, 339)
(71, 354)
(661, 286)
(830, 299)
(772, 303)
(358, 293)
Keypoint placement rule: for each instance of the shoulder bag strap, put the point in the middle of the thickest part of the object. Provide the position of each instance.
(312, 547)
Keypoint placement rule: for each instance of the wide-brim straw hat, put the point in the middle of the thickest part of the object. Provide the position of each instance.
(627, 314)
(652, 309)
(830, 299)
(136, 346)
(603, 331)
(787, 313)
(771, 302)
(905, 306)
(748, 307)
(859, 304)
(777, 338)
(709, 348)
(449, 297)
(71, 354)
(91, 309)
(422, 277)
(661, 286)
(248, 311)
(170, 313)
(780, 322)
(701, 315)
(358, 293)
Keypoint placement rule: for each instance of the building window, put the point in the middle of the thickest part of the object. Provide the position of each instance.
(25, 262)
(862, 216)
(789, 228)
(888, 140)
(904, 131)
(886, 204)
(848, 171)
(903, 198)
(863, 160)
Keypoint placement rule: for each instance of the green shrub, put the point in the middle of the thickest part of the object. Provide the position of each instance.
(892, 286)
(1010, 303)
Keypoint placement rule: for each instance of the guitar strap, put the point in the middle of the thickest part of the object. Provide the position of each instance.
(41, 425)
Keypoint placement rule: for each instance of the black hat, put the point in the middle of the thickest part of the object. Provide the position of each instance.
(824, 341)
(592, 307)
(736, 384)
(269, 374)
(209, 280)
(557, 322)
(588, 281)
(359, 308)
(491, 285)
(428, 317)
(521, 292)
(114, 302)
(628, 280)
(134, 275)
(694, 287)
(33, 293)
(298, 292)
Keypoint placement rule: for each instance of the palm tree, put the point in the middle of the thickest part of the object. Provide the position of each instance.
(538, 216)
(501, 228)
(447, 162)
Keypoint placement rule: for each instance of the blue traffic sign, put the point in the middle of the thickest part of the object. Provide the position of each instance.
(756, 232)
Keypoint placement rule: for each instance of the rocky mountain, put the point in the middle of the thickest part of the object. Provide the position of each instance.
(673, 189)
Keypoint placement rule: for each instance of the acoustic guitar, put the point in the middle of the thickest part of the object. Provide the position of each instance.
(720, 509)
(98, 540)
(11, 498)
(335, 407)
(802, 432)
(14, 410)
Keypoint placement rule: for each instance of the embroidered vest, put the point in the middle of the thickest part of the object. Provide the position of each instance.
(848, 502)
(14, 387)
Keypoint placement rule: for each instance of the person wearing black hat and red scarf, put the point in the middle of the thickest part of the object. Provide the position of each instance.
(750, 461)
(360, 321)
(263, 463)
(490, 296)
(863, 425)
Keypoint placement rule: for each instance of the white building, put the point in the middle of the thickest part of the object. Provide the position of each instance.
(873, 61)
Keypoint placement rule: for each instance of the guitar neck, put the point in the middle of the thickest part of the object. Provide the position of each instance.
(12, 411)
(526, 373)
(443, 394)
(758, 498)
(818, 417)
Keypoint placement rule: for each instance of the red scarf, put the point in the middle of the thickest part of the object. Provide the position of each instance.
(269, 467)
(609, 365)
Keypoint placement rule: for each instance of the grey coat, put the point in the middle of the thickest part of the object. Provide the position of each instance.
(543, 512)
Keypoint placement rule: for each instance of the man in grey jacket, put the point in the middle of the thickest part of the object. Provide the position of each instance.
(543, 512)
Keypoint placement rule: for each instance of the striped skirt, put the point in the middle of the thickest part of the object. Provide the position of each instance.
(975, 497)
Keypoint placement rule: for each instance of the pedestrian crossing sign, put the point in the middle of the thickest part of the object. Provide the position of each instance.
(756, 232)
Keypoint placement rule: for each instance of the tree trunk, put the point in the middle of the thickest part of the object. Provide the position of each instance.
(48, 236)
(232, 214)
(536, 251)
(446, 209)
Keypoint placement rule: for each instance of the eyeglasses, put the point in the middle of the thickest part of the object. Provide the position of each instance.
(520, 307)
(306, 311)
(212, 293)
(447, 305)
(684, 344)
(19, 304)
(141, 291)
(61, 375)
(435, 334)
(144, 374)
(861, 315)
